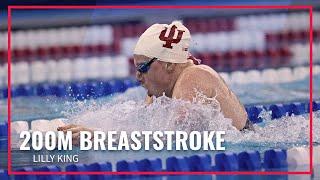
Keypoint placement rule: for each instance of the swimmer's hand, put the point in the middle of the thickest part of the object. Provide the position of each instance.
(75, 132)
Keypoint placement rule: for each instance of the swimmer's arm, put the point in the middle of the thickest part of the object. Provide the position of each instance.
(212, 86)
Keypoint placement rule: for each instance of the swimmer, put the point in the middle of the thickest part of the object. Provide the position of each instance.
(165, 66)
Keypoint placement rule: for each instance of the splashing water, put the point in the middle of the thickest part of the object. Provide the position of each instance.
(163, 114)
(128, 112)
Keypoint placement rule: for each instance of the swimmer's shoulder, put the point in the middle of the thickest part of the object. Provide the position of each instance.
(200, 77)
(200, 72)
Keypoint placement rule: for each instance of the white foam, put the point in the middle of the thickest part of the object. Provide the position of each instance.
(128, 112)
(158, 116)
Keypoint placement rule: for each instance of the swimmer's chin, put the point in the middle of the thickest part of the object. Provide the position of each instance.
(155, 95)
(152, 94)
(149, 94)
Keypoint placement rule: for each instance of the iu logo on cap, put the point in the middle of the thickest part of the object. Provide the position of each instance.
(169, 39)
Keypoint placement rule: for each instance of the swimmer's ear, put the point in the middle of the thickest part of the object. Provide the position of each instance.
(170, 67)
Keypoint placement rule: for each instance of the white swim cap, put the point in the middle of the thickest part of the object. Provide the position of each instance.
(168, 43)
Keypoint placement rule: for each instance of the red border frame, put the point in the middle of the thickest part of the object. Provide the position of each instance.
(10, 172)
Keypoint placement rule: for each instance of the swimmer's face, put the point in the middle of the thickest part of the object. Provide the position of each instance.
(155, 79)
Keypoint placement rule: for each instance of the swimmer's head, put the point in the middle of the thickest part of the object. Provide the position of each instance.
(167, 42)
(160, 54)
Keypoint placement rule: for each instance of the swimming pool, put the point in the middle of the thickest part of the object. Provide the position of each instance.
(119, 110)
(36, 107)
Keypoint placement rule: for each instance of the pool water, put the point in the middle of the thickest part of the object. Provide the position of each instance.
(28, 108)
(127, 112)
